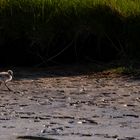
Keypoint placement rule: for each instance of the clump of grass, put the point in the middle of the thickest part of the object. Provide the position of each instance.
(48, 28)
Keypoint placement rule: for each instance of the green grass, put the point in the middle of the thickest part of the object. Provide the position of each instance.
(46, 27)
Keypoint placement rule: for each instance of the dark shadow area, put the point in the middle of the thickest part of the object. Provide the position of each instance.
(91, 70)
(99, 34)
(52, 72)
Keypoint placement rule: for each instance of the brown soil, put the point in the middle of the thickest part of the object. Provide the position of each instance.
(67, 105)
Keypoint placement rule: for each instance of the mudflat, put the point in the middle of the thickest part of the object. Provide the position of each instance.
(67, 105)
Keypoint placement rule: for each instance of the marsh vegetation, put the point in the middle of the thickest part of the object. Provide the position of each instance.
(52, 31)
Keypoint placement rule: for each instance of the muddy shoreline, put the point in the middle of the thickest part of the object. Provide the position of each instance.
(66, 105)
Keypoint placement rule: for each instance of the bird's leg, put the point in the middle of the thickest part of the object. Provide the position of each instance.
(7, 87)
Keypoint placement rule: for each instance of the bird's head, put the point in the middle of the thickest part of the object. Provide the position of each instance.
(10, 72)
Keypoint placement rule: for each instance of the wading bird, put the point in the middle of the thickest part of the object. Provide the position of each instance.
(6, 77)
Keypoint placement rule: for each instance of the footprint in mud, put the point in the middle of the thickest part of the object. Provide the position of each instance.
(127, 138)
(87, 121)
(81, 134)
(106, 136)
(108, 94)
(33, 138)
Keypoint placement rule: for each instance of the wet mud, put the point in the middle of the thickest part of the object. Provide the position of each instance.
(46, 105)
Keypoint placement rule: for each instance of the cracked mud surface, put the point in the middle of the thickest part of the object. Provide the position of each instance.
(64, 106)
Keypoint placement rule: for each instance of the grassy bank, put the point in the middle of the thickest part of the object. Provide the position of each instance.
(70, 30)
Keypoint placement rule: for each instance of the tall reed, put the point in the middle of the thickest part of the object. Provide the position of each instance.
(90, 27)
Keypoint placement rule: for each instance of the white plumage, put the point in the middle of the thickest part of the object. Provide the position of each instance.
(6, 77)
